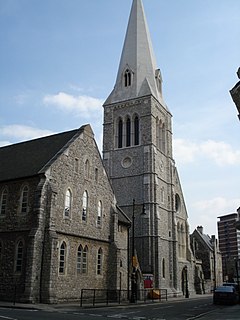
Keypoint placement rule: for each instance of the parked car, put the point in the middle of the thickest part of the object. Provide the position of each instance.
(225, 295)
(234, 284)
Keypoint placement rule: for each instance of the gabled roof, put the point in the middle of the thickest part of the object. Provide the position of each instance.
(205, 238)
(138, 57)
(122, 217)
(30, 158)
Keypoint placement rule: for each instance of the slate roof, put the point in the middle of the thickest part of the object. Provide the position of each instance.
(206, 239)
(122, 217)
(28, 158)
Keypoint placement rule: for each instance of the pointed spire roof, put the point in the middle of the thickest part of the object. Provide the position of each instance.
(137, 59)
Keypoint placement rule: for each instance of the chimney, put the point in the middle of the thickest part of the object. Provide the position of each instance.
(200, 229)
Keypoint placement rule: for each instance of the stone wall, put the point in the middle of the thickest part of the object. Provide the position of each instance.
(45, 227)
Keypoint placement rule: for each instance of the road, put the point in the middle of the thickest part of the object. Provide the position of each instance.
(173, 310)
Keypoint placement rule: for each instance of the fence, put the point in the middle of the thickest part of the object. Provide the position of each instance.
(106, 297)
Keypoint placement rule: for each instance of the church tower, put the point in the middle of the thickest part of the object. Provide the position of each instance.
(137, 154)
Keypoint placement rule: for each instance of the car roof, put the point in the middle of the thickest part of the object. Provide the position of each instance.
(225, 289)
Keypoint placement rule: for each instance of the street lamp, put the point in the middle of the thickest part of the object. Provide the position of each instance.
(133, 275)
(186, 277)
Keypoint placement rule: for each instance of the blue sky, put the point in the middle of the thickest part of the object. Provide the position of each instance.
(59, 60)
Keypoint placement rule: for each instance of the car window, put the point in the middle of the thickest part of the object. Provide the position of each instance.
(225, 289)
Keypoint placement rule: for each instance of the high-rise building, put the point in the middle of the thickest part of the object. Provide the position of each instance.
(229, 244)
(137, 154)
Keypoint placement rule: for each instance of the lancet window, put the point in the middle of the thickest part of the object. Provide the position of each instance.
(160, 135)
(128, 131)
(127, 78)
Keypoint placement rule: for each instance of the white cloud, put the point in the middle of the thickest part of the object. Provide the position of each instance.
(206, 212)
(184, 151)
(21, 132)
(221, 153)
(218, 204)
(82, 105)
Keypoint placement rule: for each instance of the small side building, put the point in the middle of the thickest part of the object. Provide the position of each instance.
(60, 227)
(208, 262)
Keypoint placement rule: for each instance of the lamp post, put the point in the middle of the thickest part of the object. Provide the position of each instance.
(186, 275)
(133, 275)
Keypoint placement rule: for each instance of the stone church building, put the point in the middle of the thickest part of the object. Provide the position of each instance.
(60, 228)
(137, 154)
(65, 212)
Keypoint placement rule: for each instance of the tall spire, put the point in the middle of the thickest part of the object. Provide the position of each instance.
(137, 74)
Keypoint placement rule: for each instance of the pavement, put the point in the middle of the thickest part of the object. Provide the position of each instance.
(220, 313)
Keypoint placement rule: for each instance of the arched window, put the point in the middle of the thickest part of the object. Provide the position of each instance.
(136, 130)
(68, 204)
(76, 165)
(127, 78)
(82, 259)
(157, 132)
(128, 132)
(84, 206)
(183, 242)
(24, 200)
(179, 239)
(163, 268)
(87, 169)
(120, 133)
(79, 259)
(162, 195)
(85, 260)
(3, 202)
(99, 261)
(62, 258)
(177, 203)
(163, 135)
(99, 216)
(19, 257)
(160, 142)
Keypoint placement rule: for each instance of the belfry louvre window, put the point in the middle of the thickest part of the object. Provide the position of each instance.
(19, 256)
(136, 130)
(24, 200)
(62, 258)
(3, 202)
(120, 133)
(128, 132)
(127, 78)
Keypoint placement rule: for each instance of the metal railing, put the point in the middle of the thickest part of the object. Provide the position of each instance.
(94, 297)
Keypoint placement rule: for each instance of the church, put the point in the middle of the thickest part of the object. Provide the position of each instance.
(66, 212)
(137, 154)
